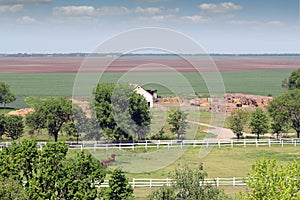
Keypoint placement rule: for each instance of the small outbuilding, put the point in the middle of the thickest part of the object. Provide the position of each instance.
(149, 95)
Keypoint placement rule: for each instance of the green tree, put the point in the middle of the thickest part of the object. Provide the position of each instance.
(120, 111)
(2, 125)
(52, 114)
(119, 188)
(47, 174)
(237, 122)
(293, 82)
(78, 123)
(11, 189)
(14, 126)
(81, 176)
(259, 122)
(140, 114)
(19, 161)
(178, 123)
(6, 96)
(269, 179)
(280, 118)
(189, 184)
(35, 121)
(285, 109)
(93, 130)
(103, 111)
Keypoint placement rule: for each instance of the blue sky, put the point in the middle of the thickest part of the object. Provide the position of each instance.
(230, 26)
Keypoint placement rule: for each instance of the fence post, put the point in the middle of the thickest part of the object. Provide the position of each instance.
(132, 145)
(41, 147)
(81, 147)
(281, 143)
(231, 143)
(150, 182)
(133, 180)
(295, 142)
(146, 147)
(269, 142)
(244, 142)
(217, 181)
(219, 143)
(194, 144)
(233, 181)
(206, 144)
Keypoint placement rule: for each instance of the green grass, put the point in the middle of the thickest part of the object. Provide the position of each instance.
(219, 162)
(262, 82)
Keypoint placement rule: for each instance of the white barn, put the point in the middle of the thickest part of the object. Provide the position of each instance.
(149, 95)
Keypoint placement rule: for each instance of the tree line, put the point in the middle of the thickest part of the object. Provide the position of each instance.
(283, 112)
(118, 113)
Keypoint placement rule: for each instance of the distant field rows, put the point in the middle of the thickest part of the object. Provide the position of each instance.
(261, 82)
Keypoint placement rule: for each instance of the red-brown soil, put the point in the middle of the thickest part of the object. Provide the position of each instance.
(72, 65)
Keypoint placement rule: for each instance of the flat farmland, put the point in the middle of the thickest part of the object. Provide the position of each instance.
(30, 76)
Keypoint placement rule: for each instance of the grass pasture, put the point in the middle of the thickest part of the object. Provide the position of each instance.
(261, 82)
(220, 162)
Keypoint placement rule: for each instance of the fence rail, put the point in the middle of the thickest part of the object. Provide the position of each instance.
(92, 145)
(151, 182)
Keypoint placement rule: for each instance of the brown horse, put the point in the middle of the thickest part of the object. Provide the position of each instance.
(109, 160)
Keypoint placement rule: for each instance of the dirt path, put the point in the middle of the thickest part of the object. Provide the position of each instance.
(222, 133)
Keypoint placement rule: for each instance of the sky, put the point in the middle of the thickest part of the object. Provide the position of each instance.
(229, 26)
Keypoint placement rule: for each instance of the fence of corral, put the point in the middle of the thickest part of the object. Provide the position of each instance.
(154, 182)
(98, 145)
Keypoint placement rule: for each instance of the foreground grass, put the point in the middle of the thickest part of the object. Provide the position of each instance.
(142, 193)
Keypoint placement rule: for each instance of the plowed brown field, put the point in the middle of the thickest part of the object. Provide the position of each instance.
(72, 65)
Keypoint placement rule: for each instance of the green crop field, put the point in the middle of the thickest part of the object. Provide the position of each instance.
(266, 82)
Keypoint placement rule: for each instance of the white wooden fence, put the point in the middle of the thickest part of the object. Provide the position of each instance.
(151, 182)
(93, 145)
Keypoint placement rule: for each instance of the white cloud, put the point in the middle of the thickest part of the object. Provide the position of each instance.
(220, 8)
(74, 11)
(174, 10)
(242, 22)
(26, 20)
(112, 10)
(23, 1)
(148, 10)
(163, 18)
(198, 19)
(152, 1)
(274, 23)
(11, 8)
